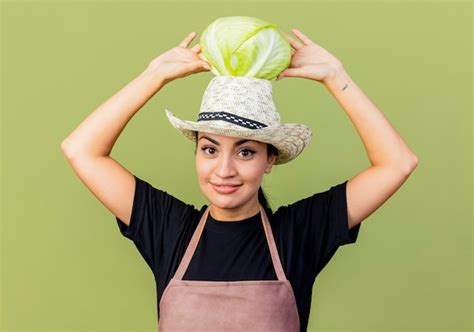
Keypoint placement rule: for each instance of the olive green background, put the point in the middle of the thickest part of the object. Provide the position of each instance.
(65, 265)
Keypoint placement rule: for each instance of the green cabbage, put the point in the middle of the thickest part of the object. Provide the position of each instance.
(245, 46)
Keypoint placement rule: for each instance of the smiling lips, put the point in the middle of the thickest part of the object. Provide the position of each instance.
(225, 188)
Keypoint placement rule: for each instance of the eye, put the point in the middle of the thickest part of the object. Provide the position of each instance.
(208, 149)
(247, 152)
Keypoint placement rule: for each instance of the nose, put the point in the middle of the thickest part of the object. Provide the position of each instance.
(225, 167)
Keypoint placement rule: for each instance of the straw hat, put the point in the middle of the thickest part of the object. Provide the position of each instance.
(243, 107)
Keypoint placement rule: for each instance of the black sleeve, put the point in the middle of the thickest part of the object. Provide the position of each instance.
(321, 225)
(153, 212)
(334, 228)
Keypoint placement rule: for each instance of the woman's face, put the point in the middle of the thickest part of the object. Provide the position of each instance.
(230, 171)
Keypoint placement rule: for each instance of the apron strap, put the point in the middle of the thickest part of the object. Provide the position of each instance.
(271, 243)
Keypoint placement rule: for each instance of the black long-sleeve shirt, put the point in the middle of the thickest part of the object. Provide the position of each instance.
(307, 234)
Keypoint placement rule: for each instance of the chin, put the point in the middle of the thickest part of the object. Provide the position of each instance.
(225, 202)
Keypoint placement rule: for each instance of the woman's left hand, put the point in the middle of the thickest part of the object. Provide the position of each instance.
(309, 60)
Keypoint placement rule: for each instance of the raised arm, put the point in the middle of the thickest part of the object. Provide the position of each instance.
(89, 146)
(392, 160)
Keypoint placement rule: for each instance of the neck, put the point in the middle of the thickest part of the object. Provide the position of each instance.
(236, 214)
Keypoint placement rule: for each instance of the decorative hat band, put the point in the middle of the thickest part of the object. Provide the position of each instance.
(232, 118)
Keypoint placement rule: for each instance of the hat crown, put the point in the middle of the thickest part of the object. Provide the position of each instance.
(247, 101)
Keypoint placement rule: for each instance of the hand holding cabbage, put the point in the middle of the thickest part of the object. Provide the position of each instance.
(309, 60)
(179, 61)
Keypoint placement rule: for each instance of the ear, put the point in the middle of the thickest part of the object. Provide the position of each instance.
(271, 160)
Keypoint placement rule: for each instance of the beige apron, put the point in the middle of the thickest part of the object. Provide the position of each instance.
(247, 305)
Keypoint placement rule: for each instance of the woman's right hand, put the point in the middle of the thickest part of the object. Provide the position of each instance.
(179, 61)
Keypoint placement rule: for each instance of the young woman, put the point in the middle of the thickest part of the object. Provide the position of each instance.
(236, 265)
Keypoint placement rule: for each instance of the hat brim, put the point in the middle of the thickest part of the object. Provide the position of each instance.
(290, 139)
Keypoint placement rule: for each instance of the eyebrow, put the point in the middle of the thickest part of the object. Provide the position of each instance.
(242, 141)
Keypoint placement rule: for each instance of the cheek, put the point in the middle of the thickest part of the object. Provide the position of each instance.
(203, 168)
(253, 172)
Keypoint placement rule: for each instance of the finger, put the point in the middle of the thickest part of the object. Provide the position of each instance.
(292, 72)
(296, 45)
(186, 41)
(196, 66)
(196, 48)
(301, 36)
(205, 65)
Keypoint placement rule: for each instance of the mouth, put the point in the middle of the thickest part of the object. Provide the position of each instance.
(225, 189)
